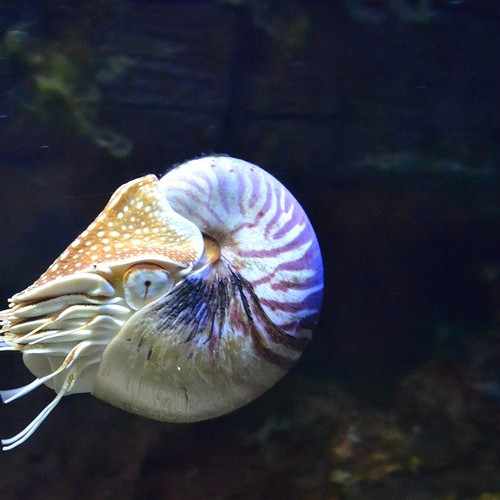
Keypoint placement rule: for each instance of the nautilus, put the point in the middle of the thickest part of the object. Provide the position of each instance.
(186, 298)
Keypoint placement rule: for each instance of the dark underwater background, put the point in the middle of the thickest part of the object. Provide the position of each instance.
(383, 118)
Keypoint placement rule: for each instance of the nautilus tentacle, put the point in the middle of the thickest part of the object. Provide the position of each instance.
(185, 299)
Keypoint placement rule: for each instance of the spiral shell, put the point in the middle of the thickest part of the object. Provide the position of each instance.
(185, 299)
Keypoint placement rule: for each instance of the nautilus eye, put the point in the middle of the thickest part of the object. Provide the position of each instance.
(143, 283)
(186, 298)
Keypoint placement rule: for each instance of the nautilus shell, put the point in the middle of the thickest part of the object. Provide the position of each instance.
(186, 298)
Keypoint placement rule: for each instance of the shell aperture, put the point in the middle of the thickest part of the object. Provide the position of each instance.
(185, 299)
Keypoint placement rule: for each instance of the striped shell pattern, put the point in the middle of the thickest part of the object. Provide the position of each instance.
(185, 299)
